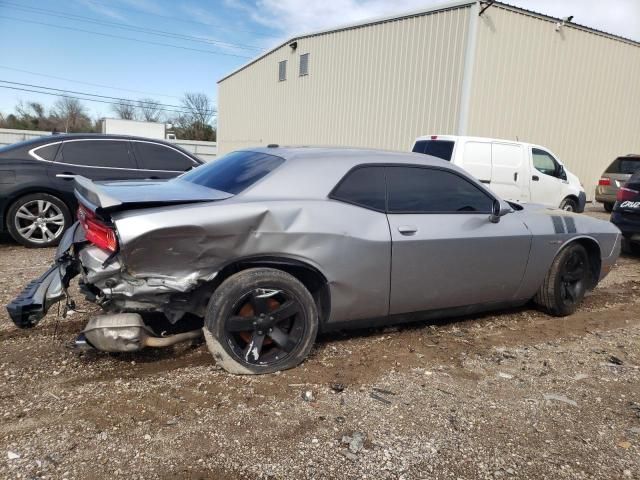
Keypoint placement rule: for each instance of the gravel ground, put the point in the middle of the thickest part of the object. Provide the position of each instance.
(515, 394)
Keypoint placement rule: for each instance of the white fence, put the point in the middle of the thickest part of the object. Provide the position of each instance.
(9, 135)
(207, 151)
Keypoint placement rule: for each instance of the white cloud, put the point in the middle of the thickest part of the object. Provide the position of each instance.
(102, 10)
(292, 17)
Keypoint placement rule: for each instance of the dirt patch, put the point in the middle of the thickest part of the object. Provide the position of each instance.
(514, 394)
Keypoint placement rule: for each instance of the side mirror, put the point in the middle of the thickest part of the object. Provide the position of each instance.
(563, 173)
(499, 209)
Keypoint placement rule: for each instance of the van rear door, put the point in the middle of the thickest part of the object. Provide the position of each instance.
(509, 172)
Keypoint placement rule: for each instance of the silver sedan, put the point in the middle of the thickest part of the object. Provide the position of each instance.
(263, 248)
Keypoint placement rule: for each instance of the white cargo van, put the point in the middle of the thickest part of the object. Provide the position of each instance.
(515, 171)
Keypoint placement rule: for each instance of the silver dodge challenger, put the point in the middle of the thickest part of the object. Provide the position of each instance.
(263, 248)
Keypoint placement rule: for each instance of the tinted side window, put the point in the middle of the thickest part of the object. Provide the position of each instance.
(544, 163)
(428, 190)
(153, 156)
(48, 152)
(364, 186)
(97, 153)
(234, 172)
(436, 148)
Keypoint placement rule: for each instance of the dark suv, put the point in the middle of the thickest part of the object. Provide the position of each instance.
(626, 214)
(36, 177)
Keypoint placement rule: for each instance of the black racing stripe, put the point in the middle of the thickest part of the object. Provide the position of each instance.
(571, 224)
(558, 226)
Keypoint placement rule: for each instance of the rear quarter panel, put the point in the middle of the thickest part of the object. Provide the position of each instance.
(350, 245)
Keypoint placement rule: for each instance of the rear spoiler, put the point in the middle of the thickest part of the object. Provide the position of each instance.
(90, 195)
(105, 197)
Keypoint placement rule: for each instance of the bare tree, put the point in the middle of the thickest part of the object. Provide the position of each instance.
(125, 110)
(150, 110)
(30, 110)
(199, 107)
(195, 122)
(71, 113)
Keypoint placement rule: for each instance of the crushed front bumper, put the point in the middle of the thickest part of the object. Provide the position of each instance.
(32, 304)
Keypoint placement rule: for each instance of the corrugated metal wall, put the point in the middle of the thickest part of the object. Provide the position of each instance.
(376, 86)
(574, 91)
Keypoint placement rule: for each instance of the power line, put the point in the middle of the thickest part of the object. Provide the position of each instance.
(120, 99)
(184, 20)
(88, 83)
(122, 37)
(78, 98)
(149, 31)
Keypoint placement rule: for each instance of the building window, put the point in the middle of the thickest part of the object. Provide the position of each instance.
(304, 64)
(282, 70)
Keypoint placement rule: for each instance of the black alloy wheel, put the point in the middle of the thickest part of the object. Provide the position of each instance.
(567, 282)
(260, 320)
(574, 276)
(265, 327)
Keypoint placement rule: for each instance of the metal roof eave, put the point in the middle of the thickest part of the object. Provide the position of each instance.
(436, 8)
(414, 13)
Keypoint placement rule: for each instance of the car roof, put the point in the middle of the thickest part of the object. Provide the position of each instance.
(59, 137)
(312, 172)
(350, 156)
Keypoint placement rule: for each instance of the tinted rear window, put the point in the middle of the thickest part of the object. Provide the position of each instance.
(234, 172)
(364, 186)
(436, 148)
(624, 165)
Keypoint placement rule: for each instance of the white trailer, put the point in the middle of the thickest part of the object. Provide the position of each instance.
(135, 127)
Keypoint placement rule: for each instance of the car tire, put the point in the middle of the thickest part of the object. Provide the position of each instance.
(260, 320)
(569, 205)
(38, 220)
(608, 207)
(567, 281)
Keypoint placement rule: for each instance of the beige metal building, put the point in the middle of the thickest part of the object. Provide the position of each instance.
(462, 68)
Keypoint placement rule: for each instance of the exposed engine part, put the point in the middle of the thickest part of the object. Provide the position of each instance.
(126, 332)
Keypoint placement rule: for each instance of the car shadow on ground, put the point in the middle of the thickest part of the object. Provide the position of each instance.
(416, 325)
(5, 239)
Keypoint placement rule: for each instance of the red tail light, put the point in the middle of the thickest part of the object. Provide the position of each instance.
(605, 182)
(97, 232)
(626, 193)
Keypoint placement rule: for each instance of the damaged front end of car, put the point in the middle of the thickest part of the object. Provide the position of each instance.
(139, 311)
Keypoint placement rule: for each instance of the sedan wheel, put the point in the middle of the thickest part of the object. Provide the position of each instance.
(260, 320)
(567, 281)
(38, 220)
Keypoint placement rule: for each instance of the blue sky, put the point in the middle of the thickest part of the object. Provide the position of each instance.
(229, 31)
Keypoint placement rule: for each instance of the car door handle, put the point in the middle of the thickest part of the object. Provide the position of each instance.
(407, 229)
(66, 176)
(535, 178)
(515, 177)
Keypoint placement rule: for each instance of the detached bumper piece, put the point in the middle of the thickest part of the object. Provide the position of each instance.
(31, 305)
